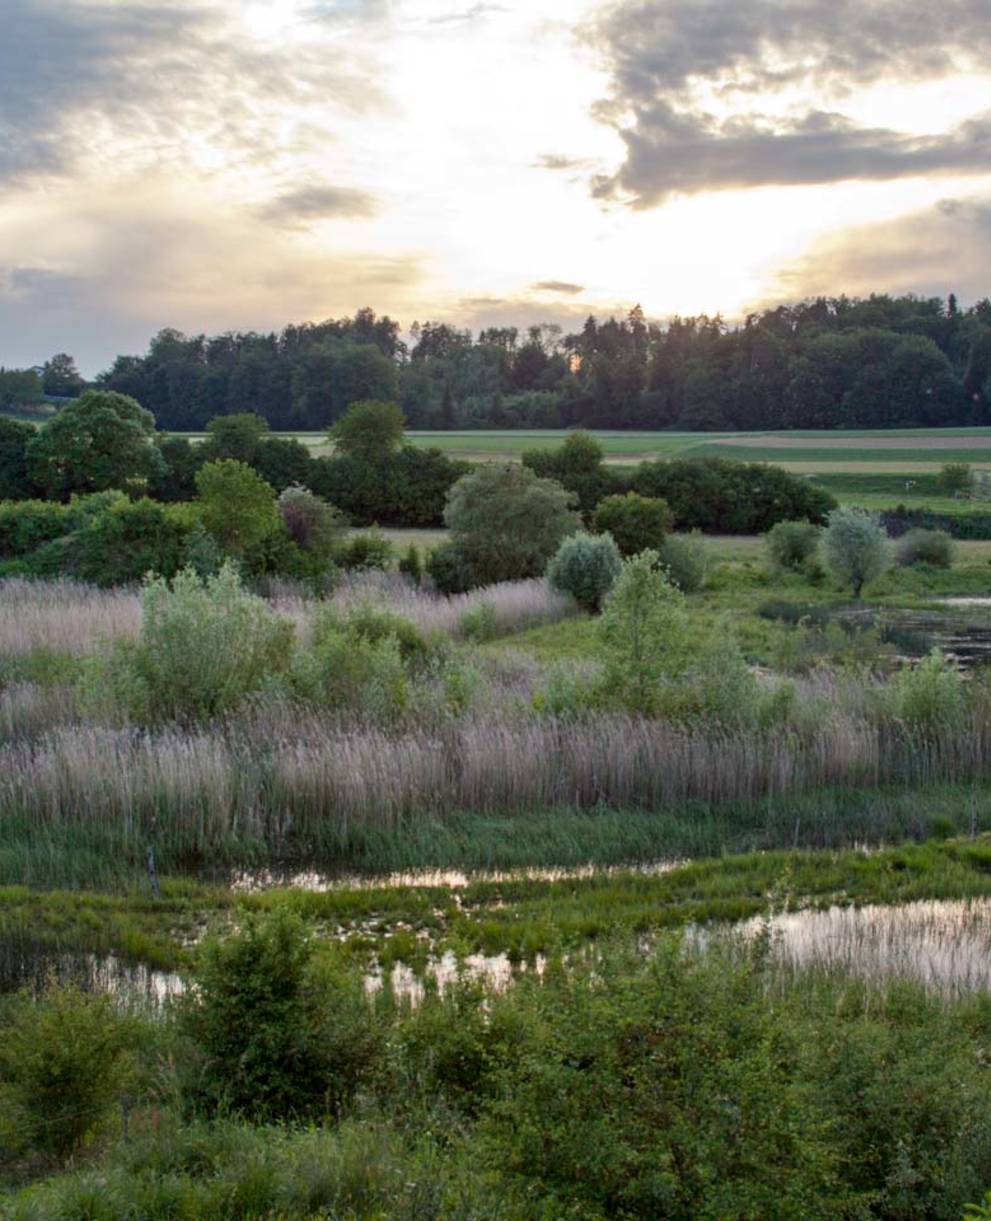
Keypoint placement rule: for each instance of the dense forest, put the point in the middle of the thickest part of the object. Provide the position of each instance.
(829, 363)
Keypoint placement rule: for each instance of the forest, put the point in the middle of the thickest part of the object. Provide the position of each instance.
(840, 362)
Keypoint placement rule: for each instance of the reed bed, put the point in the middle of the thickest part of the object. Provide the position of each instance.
(66, 617)
(63, 616)
(313, 786)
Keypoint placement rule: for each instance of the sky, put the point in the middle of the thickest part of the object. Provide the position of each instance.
(213, 165)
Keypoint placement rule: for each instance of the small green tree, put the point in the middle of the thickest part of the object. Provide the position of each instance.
(236, 436)
(956, 478)
(507, 522)
(237, 506)
(101, 440)
(370, 430)
(636, 523)
(855, 547)
(644, 631)
(585, 566)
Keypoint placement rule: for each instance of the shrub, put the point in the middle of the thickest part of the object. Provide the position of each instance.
(129, 540)
(925, 547)
(367, 622)
(577, 464)
(363, 552)
(955, 478)
(63, 1061)
(855, 547)
(635, 522)
(685, 560)
(344, 670)
(452, 569)
(410, 564)
(15, 483)
(274, 1040)
(720, 496)
(205, 645)
(585, 566)
(790, 544)
(311, 523)
(928, 694)
(26, 524)
(508, 521)
(479, 624)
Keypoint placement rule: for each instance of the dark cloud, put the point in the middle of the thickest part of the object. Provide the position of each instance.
(932, 252)
(72, 73)
(315, 202)
(671, 152)
(662, 52)
(558, 286)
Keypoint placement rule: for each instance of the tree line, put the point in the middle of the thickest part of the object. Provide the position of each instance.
(832, 362)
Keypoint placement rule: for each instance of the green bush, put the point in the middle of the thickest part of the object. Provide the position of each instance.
(26, 524)
(508, 522)
(411, 564)
(452, 569)
(237, 506)
(791, 544)
(63, 1062)
(956, 478)
(343, 670)
(932, 547)
(205, 645)
(927, 695)
(364, 552)
(276, 1036)
(685, 560)
(636, 523)
(479, 624)
(130, 540)
(313, 525)
(367, 622)
(585, 566)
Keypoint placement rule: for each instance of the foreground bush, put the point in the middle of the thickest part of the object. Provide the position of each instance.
(63, 1062)
(273, 1039)
(585, 566)
(205, 644)
(933, 547)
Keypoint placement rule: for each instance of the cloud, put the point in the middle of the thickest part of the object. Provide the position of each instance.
(688, 78)
(932, 252)
(675, 153)
(558, 161)
(78, 76)
(314, 202)
(557, 286)
(469, 14)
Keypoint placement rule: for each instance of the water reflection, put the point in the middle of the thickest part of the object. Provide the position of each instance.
(945, 945)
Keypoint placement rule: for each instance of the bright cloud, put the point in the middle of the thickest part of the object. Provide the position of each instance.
(210, 164)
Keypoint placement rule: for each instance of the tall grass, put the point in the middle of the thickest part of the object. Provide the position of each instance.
(63, 616)
(310, 785)
(66, 617)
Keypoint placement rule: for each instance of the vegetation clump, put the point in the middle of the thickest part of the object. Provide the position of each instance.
(636, 523)
(585, 566)
(918, 546)
(855, 547)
